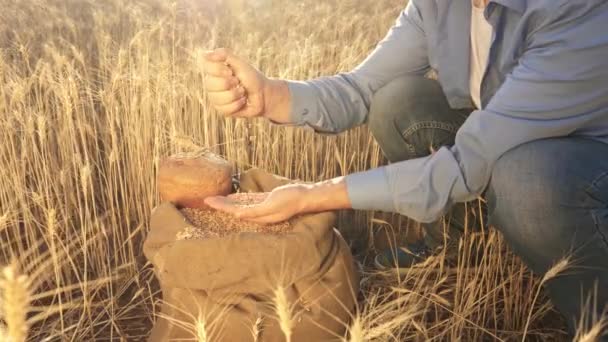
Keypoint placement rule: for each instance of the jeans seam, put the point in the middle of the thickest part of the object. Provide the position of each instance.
(425, 125)
(410, 147)
(594, 215)
(596, 222)
(598, 179)
(429, 124)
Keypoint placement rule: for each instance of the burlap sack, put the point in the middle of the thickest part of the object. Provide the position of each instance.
(223, 289)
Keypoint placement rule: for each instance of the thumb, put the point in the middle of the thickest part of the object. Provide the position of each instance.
(221, 203)
(217, 55)
(237, 63)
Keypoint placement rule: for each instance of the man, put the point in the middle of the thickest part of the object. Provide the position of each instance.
(535, 144)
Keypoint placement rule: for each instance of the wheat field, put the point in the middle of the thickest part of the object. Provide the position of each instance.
(94, 92)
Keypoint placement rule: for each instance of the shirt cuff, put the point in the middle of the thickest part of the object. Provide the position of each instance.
(302, 97)
(369, 190)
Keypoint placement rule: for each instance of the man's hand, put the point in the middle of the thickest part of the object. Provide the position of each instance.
(237, 89)
(287, 201)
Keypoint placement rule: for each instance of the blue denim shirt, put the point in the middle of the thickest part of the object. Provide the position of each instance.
(547, 77)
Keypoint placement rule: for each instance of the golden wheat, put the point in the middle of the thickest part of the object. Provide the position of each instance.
(94, 93)
(355, 331)
(201, 330)
(256, 330)
(15, 299)
(556, 270)
(284, 312)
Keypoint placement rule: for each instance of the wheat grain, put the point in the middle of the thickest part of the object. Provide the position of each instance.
(557, 269)
(355, 331)
(284, 312)
(209, 223)
(256, 331)
(3, 334)
(15, 300)
(595, 334)
(201, 330)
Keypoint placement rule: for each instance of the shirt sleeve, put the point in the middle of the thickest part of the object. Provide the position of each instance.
(336, 103)
(559, 88)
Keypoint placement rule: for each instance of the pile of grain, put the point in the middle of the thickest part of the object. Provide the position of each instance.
(209, 223)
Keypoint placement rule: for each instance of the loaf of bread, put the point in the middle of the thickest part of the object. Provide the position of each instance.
(186, 179)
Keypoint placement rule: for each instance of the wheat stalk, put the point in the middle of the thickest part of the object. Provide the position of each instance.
(284, 312)
(201, 330)
(557, 269)
(256, 331)
(595, 334)
(591, 326)
(355, 331)
(15, 301)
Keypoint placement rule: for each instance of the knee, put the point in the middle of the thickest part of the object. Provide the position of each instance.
(545, 197)
(517, 198)
(401, 118)
(532, 176)
(398, 100)
(537, 199)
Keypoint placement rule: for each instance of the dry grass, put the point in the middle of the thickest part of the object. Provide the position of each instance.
(94, 92)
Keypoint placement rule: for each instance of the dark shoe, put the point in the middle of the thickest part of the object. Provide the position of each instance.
(403, 257)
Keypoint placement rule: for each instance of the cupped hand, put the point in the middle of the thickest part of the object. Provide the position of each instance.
(279, 205)
(234, 87)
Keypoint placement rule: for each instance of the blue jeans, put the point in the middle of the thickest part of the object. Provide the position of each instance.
(549, 198)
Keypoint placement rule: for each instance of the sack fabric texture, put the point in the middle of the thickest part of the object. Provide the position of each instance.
(224, 289)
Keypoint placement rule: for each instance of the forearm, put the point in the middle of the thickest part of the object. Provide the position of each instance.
(333, 104)
(326, 196)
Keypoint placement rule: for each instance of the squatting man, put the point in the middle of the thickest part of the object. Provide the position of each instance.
(517, 113)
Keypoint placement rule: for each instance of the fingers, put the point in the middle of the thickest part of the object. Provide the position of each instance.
(231, 108)
(218, 69)
(226, 57)
(220, 98)
(216, 63)
(236, 63)
(214, 83)
(219, 76)
(222, 203)
(233, 86)
(247, 111)
(229, 206)
(251, 212)
(262, 213)
(224, 91)
(217, 55)
(270, 219)
(226, 95)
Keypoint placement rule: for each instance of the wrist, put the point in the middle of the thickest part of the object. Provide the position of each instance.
(277, 101)
(326, 196)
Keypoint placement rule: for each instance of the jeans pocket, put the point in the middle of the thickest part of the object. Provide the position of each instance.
(426, 137)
